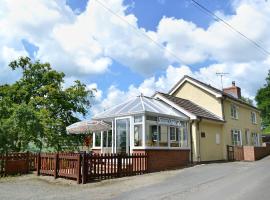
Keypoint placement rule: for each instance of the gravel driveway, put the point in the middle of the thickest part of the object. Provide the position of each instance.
(237, 180)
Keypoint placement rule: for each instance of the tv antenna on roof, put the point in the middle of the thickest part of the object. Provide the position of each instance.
(221, 74)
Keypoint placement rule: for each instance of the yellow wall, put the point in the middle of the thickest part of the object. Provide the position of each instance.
(206, 148)
(243, 122)
(209, 149)
(200, 97)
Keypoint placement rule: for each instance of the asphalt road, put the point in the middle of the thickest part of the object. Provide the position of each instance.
(237, 180)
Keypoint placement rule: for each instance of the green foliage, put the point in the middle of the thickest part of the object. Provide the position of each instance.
(263, 102)
(36, 109)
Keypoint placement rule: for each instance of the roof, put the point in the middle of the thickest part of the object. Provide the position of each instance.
(192, 107)
(208, 86)
(141, 104)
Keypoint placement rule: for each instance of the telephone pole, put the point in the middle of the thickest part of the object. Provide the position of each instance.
(221, 74)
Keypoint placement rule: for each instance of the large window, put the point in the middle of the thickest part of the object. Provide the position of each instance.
(163, 136)
(107, 138)
(174, 137)
(234, 111)
(253, 118)
(151, 135)
(255, 139)
(97, 139)
(236, 137)
(166, 132)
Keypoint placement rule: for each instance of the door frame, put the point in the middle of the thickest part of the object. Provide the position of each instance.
(128, 139)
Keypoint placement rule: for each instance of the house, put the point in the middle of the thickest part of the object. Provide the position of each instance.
(227, 119)
(193, 122)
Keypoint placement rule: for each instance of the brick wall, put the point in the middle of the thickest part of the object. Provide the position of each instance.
(159, 159)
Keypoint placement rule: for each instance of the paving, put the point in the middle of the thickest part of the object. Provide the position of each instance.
(236, 180)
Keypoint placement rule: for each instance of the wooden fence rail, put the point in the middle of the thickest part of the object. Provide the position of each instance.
(107, 166)
(17, 163)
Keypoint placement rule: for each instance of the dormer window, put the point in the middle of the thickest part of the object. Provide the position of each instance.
(253, 118)
(234, 111)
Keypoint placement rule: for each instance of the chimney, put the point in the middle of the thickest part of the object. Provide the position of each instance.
(233, 90)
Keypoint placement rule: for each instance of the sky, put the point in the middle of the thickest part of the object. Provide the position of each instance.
(123, 48)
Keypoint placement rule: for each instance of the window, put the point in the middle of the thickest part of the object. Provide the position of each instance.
(174, 137)
(255, 139)
(172, 134)
(236, 137)
(151, 118)
(151, 135)
(138, 119)
(97, 139)
(234, 111)
(107, 138)
(163, 136)
(253, 118)
(138, 135)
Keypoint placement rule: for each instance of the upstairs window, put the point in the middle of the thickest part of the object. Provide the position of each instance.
(253, 118)
(234, 111)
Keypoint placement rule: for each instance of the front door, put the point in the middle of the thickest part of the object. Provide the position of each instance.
(122, 135)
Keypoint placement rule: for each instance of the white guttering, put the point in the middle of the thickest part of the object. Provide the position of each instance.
(189, 114)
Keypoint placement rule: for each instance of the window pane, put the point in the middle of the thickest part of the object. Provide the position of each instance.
(163, 136)
(97, 139)
(151, 118)
(137, 119)
(174, 136)
(110, 138)
(151, 135)
(105, 139)
(138, 135)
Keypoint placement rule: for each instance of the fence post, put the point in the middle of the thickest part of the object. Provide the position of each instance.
(27, 162)
(5, 166)
(84, 168)
(79, 168)
(56, 165)
(38, 164)
(119, 165)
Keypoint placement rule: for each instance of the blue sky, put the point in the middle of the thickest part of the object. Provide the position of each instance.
(149, 13)
(85, 41)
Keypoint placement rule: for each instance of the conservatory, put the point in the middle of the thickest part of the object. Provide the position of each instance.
(141, 124)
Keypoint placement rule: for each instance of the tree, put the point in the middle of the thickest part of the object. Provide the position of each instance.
(263, 102)
(36, 109)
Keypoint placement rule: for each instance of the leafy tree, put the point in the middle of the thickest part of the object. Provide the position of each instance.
(36, 109)
(263, 102)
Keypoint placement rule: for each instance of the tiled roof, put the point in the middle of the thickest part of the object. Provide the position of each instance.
(214, 89)
(192, 107)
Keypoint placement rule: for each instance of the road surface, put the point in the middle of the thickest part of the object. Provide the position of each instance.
(237, 180)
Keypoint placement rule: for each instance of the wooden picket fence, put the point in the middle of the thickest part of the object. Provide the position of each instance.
(108, 166)
(17, 163)
(85, 168)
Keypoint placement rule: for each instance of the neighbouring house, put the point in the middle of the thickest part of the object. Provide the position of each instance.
(193, 122)
(225, 119)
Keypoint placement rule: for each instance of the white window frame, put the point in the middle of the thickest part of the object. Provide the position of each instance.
(234, 111)
(174, 133)
(253, 120)
(234, 132)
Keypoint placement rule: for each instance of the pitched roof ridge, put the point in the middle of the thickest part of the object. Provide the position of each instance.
(193, 104)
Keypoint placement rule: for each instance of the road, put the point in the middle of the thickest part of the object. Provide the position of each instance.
(237, 180)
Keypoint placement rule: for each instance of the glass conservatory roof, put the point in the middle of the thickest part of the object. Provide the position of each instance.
(140, 104)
